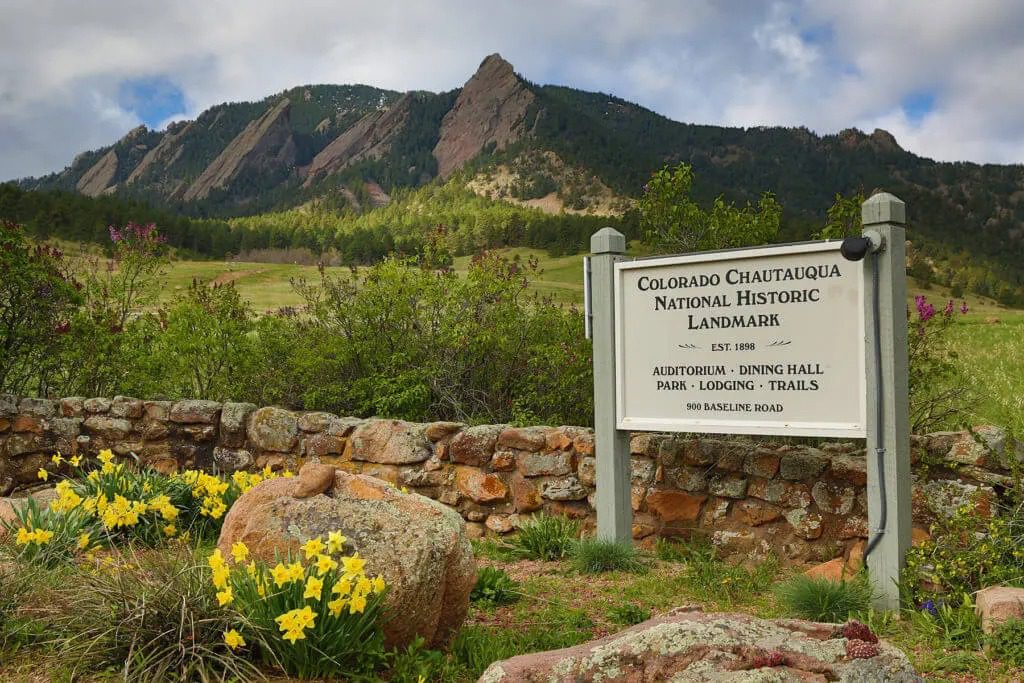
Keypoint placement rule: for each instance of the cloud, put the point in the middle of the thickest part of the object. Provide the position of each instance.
(76, 76)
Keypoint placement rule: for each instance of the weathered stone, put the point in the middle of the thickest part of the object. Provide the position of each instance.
(852, 469)
(8, 405)
(321, 444)
(499, 524)
(388, 473)
(313, 479)
(833, 570)
(418, 545)
(641, 470)
(699, 452)
(315, 421)
(5, 424)
(564, 488)
(503, 461)
(731, 458)
(686, 645)
(762, 463)
(232, 459)
(563, 438)
(475, 445)
(27, 423)
(733, 542)
(153, 430)
(998, 604)
(833, 498)
(72, 406)
(109, 428)
(343, 426)
(198, 433)
(803, 465)
(944, 497)
(435, 431)
(125, 406)
(158, 410)
(233, 420)
(197, 412)
(728, 486)
(692, 479)
(96, 405)
(416, 477)
(38, 407)
(675, 506)
(272, 429)
(854, 526)
(544, 464)
(643, 525)
(478, 486)
(755, 512)
(716, 509)
(587, 471)
(390, 442)
(805, 524)
(530, 439)
(584, 443)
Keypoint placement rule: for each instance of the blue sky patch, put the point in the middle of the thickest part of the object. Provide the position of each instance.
(918, 104)
(152, 99)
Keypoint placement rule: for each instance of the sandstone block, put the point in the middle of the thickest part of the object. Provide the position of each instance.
(563, 488)
(530, 439)
(998, 604)
(8, 405)
(390, 442)
(762, 463)
(475, 445)
(692, 479)
(752, 512)
(125, 406)
(503, 461)
(196, 412)
(27, 423)
(852, 469)
(499, 524)
(272, 429)
(38, 407)
(833, 498)
(316, 421)
(525, 496)
(153, 430)
(232, 459)
(233, 420)
(544, 464)
(72, 406)
(807, 525)
(803, 465)
(833, 570)
(728, 486)
(731, 458)
(584, 443)
(641, 470)
(321, 444)
(563, 438)
(587, 471)
(435, 431)
(699, 452)
(478, 486)
(97, 405)
(109, 428)
(675, 506)
(158, 410)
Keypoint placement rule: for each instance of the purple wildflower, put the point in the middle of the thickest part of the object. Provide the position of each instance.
(949, 308)
(115, 234)
(963, 307)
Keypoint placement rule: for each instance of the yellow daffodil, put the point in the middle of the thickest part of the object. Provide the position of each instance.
(234, 639)
(313, 547)
(24, 536)
(105, 456)
(353, 565)
(378, 584)
(250, 569)
(343, 587)
(43, 474)
(170, 530)
(363, 586)
(220, 576)
(57, 459)
(83, 541)
(288, 474)
(335, 541)
(216, 559)
(294, 634)
(240, 552)
(324, 564)
(280, 575)
(75, 460)
(336, 606)
(314, 586)
(43, 536)
(357, 604)
(225, 597)
(296, 572)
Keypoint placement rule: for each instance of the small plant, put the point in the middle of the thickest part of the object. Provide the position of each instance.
(592, 556)
(46, 537)
(669, 551)
(494, 587)
(318, 618)
(14, 584)
(1007, 642)
(952, 626)
(545, 538)
(628, 614)
(823, 599)
(151, 616)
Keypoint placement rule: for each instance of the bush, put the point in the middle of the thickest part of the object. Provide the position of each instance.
(939, 392)
(628, 614)
(544, 537)
(46, 537)
(1007, 642)
(825, 600)
(314, 619)
(150, 616)
(592, 556)
(954, 627)
(494, 587)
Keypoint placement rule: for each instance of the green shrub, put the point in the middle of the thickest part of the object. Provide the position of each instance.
(593, 555)
(951, 626)
(46, 537)
(545, 537)
(823, 599)
(1007, 642)
(494, 587)
(628, 614)
(150, 616)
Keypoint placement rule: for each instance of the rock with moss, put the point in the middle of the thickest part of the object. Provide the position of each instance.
(418, 545)
(685, 645)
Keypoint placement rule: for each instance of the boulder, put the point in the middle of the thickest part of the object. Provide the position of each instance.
(997, 604)
(273, 429)
(390, 442)
(686, 645)
(418, 545)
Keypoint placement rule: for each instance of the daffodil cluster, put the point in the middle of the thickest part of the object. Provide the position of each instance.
(318, 601)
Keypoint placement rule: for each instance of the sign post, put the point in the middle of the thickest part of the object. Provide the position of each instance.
(611, 446)
(888, 441)
(806, 339)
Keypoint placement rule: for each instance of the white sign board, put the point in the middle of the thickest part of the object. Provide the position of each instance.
(749, 341)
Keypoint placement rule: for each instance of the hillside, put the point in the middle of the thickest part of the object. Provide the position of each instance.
(551, 147)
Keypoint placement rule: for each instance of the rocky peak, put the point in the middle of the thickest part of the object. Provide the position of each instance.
(885, 140)
(490, 110)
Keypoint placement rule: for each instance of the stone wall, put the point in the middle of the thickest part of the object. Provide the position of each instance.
(753, 497)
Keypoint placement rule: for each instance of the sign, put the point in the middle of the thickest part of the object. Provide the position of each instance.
(749, 341)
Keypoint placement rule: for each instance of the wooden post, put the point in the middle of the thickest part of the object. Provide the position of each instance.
(614, 514)
(888, 418)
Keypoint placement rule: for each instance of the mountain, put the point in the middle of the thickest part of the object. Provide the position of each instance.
(551, 147)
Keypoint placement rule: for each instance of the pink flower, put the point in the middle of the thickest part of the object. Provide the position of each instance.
(963, 307)
(949, 308)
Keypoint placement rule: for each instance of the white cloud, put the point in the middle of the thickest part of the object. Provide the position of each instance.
(827, 64)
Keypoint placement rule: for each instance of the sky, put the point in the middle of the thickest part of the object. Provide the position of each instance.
(943, 76)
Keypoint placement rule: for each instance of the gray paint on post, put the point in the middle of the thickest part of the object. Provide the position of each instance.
(885, 214)
(614, 514)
